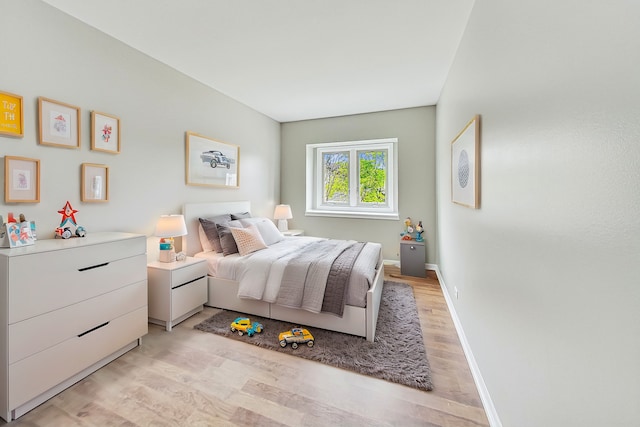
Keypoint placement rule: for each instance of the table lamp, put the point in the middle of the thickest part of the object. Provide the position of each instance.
(282, 213)
(168, 227)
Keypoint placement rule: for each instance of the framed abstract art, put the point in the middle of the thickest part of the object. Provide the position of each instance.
(465, 165)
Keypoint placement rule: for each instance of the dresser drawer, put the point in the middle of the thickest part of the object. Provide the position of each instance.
(33, 292)
(39, 333)
(180, 276)
(38, 373)
(187, 297)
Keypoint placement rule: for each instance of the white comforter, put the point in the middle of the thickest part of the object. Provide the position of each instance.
(259, 274)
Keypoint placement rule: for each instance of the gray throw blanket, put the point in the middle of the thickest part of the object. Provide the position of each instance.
(311, 274)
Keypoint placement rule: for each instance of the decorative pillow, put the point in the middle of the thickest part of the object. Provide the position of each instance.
(210, 230)
(248, 239)
(268, 230)
(204, 240)
(241, 215)
(226, 238)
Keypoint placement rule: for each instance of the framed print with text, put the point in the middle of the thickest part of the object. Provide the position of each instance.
(105, 132)
(21, 180)
(11, 115)
(95, 183)
(59, 123)
(465, 165)
(211, 163)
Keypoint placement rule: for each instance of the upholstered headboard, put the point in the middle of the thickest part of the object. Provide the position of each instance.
(193, 211)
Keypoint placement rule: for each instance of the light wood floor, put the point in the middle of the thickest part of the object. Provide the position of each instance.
(192, 378)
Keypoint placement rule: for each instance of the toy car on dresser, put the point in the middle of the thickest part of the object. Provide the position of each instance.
(296, 336)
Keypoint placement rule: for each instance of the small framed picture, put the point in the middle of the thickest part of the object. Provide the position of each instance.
(95, 183)
(211, 163)
(21, 180)
(105, 133)
(59, 123)
(11, 115)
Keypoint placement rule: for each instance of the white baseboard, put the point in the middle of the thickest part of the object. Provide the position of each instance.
(489, 408)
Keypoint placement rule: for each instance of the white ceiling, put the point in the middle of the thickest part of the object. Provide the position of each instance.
(295, 59)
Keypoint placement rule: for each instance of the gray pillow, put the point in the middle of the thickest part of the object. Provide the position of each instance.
(211, 231)
(227, 241)
(241, 215)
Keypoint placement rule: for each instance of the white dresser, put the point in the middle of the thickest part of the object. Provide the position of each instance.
(68, 307)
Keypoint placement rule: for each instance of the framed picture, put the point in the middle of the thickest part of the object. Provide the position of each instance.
(95, 183)
(11, 115)
(105, 132)
(465, 165)
(211, 163)
(19, 234)
(59, 123)
(21, 180)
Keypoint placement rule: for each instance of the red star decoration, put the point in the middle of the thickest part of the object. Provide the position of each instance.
(68, 214)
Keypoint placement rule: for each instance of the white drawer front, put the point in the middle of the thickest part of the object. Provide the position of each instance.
(187, 297)
(33, 292)
(39, 333)
(38, 373)
(183, 275)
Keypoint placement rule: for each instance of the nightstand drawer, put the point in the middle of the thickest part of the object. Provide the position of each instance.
(180, 276)
(186, 297)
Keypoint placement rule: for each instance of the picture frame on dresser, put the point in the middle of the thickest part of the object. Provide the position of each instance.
(211, 163)
(11, 115)
(21, 180)
(59, 123)
(105, 133)
(94, 183)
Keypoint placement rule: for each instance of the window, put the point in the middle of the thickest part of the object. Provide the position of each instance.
(354, 179)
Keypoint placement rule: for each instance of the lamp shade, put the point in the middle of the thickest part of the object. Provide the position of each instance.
(282, 212)
(171, 226)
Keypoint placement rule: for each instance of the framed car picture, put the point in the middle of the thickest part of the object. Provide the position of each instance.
(211, 163)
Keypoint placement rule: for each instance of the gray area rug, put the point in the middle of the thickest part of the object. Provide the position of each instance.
(398, 353)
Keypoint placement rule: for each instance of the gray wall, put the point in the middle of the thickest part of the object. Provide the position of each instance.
(47, 53)
(547, 270)
(415, 130)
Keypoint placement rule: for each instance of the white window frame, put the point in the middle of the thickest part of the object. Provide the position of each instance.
(314, 180)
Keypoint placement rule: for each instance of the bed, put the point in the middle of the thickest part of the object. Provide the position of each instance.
(358, 319)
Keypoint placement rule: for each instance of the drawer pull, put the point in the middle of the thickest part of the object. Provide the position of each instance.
(413, 248)
(190, 281)
(93, 329)
(93, 266)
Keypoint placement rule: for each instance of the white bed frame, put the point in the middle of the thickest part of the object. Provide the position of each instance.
(224, 293)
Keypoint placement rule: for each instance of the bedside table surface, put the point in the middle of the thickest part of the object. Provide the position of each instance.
(175, 264)
(293, 232)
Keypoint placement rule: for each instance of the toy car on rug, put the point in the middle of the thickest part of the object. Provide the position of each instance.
(243, 325)
(296, 336)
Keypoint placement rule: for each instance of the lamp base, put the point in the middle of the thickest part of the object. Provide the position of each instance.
(167, 256)
(283, 225)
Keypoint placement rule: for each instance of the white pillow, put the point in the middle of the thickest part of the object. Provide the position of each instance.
(248, 239)
(268, 230)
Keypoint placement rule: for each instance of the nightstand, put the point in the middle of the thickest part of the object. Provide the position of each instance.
(177, 290)
(412, 258)
(293, 233)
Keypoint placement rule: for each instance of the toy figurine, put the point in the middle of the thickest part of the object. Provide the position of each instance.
(408, 229)
(69, 217)
(419, 231)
